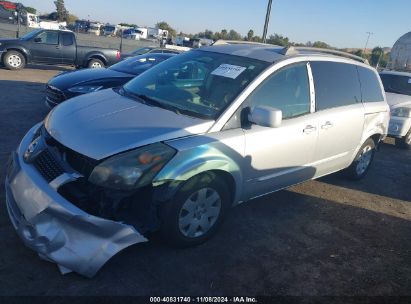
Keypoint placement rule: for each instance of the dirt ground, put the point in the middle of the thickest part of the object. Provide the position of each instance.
(323, 237)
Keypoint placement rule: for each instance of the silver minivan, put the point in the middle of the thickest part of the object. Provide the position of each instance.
(175, 148)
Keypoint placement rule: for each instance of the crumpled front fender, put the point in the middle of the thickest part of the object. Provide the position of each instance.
(56, 229)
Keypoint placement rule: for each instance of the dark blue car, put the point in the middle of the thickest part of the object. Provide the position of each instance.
(69, 84)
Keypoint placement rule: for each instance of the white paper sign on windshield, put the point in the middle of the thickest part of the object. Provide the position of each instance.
(228, 70)
(409, 80)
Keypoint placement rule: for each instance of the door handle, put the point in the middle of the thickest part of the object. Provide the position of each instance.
(57, 46)
(308, 129)
(327, 125)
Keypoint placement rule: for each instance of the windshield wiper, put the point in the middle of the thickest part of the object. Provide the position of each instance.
(144, 99)
(149, 100)
(138, 97)
(169, 107)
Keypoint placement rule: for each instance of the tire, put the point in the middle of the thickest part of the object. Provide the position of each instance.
(362, 161)
(95, 63)
(196, 211)
(14, 60)
(404, 142)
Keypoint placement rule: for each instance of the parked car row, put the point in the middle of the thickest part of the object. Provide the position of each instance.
(172, 149)
(59, 47)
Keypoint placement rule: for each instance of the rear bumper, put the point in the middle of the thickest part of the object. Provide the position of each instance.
(399, 126)
(56, 229)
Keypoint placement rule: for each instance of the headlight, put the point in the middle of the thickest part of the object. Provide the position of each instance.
(401, 112)
(85, 89)
(132, 170)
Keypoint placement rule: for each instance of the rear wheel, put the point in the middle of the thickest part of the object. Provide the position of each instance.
(362, 161)
(95, 63)
(14, 60)
(196, 211)
(404, 142)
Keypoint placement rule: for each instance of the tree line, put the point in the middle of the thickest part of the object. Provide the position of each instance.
(377, 57)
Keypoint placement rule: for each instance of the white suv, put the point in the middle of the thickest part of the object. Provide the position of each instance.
(176, 147)
(397, 86)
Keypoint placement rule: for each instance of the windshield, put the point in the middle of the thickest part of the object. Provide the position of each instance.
(139, 64)
(109, 28)
(141, 51)
(197, 82)
(30, 35)
(396, 84)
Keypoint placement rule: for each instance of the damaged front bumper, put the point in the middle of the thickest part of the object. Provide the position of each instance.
(55, 228)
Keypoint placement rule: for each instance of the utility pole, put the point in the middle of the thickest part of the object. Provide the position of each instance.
(19, 8)
(366, 43)
(267, 20)
(121, 40)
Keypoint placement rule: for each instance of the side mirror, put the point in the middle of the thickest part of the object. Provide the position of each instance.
(266, 116)
(37, 39)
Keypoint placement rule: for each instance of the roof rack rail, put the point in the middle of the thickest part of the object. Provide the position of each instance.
(291, 50)
(225, 42)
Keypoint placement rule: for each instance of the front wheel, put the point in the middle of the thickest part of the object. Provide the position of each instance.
(95, 64)
(14, 60)
(362, 161)
(404, 142)
(196, 211)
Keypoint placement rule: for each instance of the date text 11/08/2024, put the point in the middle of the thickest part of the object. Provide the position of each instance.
(203, 300)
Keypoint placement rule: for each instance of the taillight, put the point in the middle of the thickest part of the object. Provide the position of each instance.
(118, 55)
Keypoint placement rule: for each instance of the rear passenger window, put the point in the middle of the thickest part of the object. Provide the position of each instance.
(336, 84)
(370, 85)
(286, 90)
(67, 39)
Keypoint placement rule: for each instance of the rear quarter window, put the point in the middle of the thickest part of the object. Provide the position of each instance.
(336, 84)
(370, 85)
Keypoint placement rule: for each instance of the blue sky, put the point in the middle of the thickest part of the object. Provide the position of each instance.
(340, 23)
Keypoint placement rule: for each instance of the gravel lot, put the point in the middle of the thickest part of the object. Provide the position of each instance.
(324, 237)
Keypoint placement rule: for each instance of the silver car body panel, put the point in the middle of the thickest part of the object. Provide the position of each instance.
(298, 156)
(399, 126)
(56, 229)
(222, 151)
(104, 123)
(398, 100)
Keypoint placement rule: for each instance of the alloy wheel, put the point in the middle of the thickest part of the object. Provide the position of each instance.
(364, 160)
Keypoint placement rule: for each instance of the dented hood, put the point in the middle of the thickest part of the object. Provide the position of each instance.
(104, 123)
